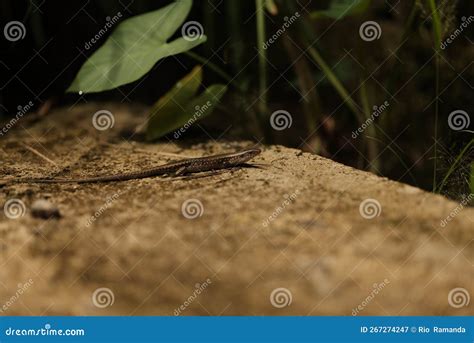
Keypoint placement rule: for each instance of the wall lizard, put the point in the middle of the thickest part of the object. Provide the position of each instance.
(186, 166)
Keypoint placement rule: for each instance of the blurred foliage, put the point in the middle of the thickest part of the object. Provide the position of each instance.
(339, 9)
(318, 69)
(180, 107)
(471, 181)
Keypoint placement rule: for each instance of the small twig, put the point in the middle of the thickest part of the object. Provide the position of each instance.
(36, 152)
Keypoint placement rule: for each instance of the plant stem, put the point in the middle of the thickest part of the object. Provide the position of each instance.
(335, 82)
(262, 63)
(436, 23)
(234, 24)
(437, 33)
(371, 144)
(436, 124)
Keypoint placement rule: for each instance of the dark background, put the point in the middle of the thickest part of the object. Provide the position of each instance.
(42, 65)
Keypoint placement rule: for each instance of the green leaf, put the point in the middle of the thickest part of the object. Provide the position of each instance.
(180, 108)
(181, 93)
(339, 9)
(134, 47)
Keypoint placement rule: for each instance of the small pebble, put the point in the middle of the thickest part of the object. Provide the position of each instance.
(44, 209)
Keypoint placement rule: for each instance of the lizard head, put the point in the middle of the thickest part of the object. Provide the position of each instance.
(243, 156)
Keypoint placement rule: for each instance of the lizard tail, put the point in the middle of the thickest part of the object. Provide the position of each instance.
(105, 178)
(34, 180)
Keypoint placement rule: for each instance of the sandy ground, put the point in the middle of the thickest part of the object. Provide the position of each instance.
(285, 239)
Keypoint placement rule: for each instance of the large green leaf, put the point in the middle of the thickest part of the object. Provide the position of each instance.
(339, 9)
(134, 47)
(180, 108)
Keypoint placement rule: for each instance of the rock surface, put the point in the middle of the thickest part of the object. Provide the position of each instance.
(302, 235)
